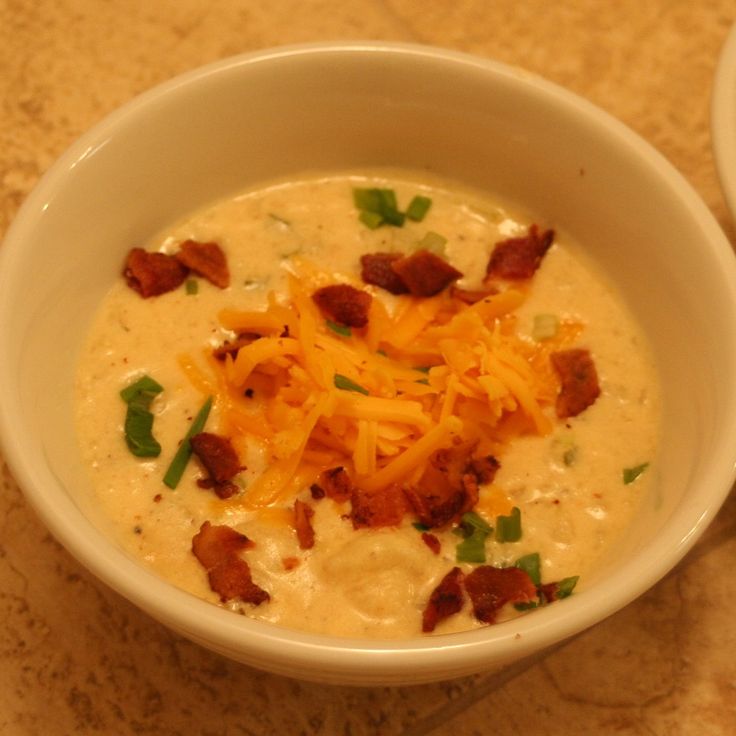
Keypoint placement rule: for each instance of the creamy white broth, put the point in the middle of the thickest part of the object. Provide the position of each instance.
(367, 582)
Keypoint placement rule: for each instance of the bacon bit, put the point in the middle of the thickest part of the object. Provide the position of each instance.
(376, 269)
(519, 258)
(491, 588)
(446, 599)
(344, 304)
(471, 296)
(217, 548)
(290, 563)
(432, 542)
(424, 273)
(579, 379)
(303, 514)
(449, 485)
(385, 507)
(485, 468)
(335, 484)
(205, 259)
(549, 591)
(231, 347)
(220, 460)
(152, 274)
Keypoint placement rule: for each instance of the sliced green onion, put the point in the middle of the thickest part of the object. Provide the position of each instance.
(418, 208)
(370, 219)
(344, 383)
(145, 384)
(420, 527)
(423, 368)
(566, 586)
(343, 330)
(475, 530)
(472, 548)
(532, 565)
(176, 469)
(631, 474)
(508, 528)
(191, 286)
(545, 326)
(570, 456)
(433, 242)
(138, 417)
(470, 521)
(381, 202)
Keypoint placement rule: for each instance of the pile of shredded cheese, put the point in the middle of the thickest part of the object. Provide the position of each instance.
(422, 372)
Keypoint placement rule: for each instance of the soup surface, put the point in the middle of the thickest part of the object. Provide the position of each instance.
(470, 367)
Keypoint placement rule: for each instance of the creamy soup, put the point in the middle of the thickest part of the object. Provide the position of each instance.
(576, 481)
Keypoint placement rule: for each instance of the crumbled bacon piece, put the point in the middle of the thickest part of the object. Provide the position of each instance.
(449, 485)
(384, 507)
(205, 259)
(344, 304)
(219, 459)
(335, 483)
(217, 548)
(432, 542)
(446, 599)
(152, 274)
(579, 380)
(519, 258)
(491, 588)
(424, 273)
(303, 514)
(484, 468)
(376, 269)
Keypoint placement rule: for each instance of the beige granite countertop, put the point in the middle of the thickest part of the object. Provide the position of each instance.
(75, 658)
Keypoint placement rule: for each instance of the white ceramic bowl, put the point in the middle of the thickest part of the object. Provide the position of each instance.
(231, 124)
(723, 120)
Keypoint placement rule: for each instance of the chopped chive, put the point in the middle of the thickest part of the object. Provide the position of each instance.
(370, 219)
(367, 199)
(377, 206)
(545, 326)
(338, 328)
(566, 586)
(423, 368)
(191, 286)
(423, 381)
(475, 529)
(418, 208)
(344, 383)
(181, 458)
(508, 528)
(279, 220)
(472, 548)
(631, 474)
(433, 242)
(145, 384)
(138, 417)
(570, 456)
(420, 527)
(531, 564)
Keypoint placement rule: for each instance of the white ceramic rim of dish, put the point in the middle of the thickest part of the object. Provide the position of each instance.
(282, 650)
(723, 120)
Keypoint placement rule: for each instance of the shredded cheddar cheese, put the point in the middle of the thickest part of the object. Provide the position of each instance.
(434, 369)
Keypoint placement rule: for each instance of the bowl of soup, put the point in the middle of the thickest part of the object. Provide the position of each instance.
(369, 363)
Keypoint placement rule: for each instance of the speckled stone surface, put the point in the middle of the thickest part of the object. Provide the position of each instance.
(75, 658)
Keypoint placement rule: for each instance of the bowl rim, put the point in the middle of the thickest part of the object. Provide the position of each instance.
(723, 120)
(362, 658)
